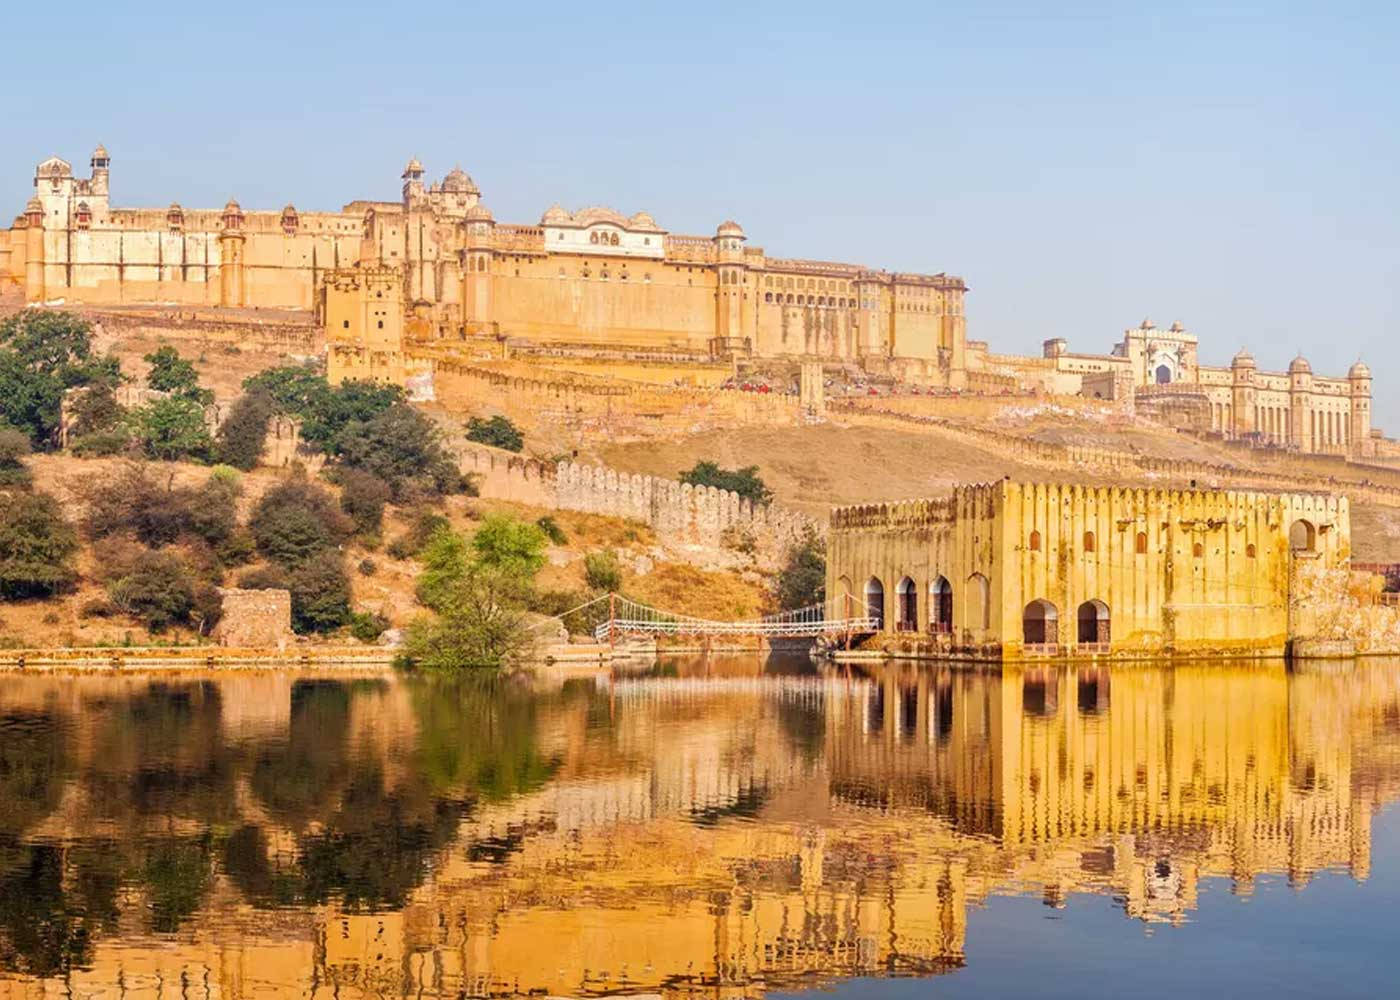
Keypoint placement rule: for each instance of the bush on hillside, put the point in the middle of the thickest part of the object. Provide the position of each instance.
(498, 432)
(362, 498)
(158, 589)
(320, 594)
(404, 449)
(480, 624)
(502, 542)
(95, 410)
(37, 546)
(243, 434)
(744, 482)
(14, 449)
(602, 571)
(551, 530)
(131, 501)
(425, 524)
(296, 521)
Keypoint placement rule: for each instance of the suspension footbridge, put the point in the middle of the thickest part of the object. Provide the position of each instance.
(629, 618)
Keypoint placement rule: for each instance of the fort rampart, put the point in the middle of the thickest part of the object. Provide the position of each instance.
(679, 512)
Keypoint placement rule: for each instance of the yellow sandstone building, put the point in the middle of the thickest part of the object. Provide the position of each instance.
(1011, 569)
(435, 266)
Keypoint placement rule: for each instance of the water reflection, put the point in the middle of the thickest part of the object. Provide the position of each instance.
(692, 824)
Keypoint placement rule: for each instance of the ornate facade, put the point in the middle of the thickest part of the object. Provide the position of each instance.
(1010, 569)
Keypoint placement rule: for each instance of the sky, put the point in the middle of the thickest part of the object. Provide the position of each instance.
(1234, 167)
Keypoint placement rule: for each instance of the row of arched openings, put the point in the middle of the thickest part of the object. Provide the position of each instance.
(1040, 623)
(940, 603)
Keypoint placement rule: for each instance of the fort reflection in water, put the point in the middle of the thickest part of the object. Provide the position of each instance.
(711, 824)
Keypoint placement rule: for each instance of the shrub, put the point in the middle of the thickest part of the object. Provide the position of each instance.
(296, 521)
(425, 525)
(264, 578)
(131, 501)
(325, 411)
(498, 432)
(744, 482)
(403, 448)
(101, 444)
(320, 594)
(802, 580)
(362, 498)
(158, 590)
(367, 627)
(243, 434)
(602, 571)
(172, 428)
(98, 607)
(551, 530)
(367, 567)
(14, 448)
(37, 546)
(173, 374)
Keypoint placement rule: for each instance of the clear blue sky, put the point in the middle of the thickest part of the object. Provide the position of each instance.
(1081, 166)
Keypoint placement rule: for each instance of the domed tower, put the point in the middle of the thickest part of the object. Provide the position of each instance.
(231, 244)
(1300, 430)
(101, 165)
(1242, 370)
(412, 182)
(476, 260)
(34, 250)
(729, 296)
(1359, 378)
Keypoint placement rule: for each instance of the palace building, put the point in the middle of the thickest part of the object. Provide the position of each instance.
(1008, 570)
(435, 266)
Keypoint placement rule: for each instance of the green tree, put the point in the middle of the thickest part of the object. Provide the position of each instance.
(158, 589)
(42, 355)
(243, 433)
(401, 447)
(173, 374)
(172, 428)
(332, 411)
(498, 432)
(37, 546)
(744, 482)
(320, 594)
(95, 409)
(362, 498)
(480, 624)
(504, 543)
(802, 579)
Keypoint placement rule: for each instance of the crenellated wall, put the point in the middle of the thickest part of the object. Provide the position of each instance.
(679, 512)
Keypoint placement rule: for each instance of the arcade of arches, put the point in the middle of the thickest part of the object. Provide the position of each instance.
(1010, 569)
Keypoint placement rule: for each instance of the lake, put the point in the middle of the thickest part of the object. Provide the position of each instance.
(704, 826)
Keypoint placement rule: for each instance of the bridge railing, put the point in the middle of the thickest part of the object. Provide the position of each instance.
(628, 617)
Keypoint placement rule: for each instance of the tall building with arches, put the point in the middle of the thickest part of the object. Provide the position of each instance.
(1014, 570)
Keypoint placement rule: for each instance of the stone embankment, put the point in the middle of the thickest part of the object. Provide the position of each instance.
(178, 658)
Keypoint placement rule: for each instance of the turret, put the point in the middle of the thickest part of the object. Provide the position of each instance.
(34, 250)
(1242, 369)
(101, 166)
(412, 181)
(476, 261)
(231, 240)
(729, 296)
(1300, 383)
(290, 220)
(1359, 380)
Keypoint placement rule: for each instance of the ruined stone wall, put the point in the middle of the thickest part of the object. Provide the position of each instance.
(255, 619)
(278, 330)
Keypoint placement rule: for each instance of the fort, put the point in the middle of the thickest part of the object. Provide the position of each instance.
(412, 286)
(1012, 570)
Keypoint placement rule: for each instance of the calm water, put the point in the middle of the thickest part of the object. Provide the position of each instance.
(706, 828)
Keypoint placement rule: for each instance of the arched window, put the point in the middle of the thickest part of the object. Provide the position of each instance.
(940, 605)
(1198, 550)
(767, 296)
(1141, 544)
(1088, 541)
(1163, 374)
(1040, 624)
(1093, 623)
(875, 602)
(907, 606)
(1302, 536)
(1035, 541)
(1249, 550)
